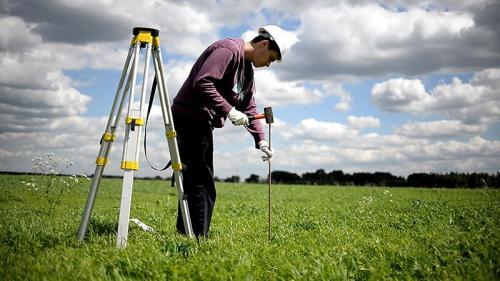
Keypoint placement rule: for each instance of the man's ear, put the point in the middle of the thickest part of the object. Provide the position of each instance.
(264, 44)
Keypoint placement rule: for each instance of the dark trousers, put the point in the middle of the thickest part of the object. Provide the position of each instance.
(195, 143)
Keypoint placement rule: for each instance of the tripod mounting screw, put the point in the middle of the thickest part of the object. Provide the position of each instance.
(154, 32)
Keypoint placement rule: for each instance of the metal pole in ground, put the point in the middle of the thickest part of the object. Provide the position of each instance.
(268, 115)
(269, 182)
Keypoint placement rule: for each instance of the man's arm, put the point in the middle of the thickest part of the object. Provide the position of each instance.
(250, 108)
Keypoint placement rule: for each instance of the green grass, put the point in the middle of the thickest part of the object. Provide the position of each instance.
(319, 233)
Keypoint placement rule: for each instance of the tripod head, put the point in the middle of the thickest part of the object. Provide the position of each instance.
(154, 32)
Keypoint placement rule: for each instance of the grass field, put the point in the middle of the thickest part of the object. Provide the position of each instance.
(319, 233)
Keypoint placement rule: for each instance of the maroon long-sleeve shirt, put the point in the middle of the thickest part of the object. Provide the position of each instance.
(220, 79)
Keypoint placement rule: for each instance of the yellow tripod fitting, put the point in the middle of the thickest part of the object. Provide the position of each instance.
(171, 134)
(101, 161)
(108, 137)
(130, 165)
(145, 35)
(138, 121)
(156, 41)
(177, 166)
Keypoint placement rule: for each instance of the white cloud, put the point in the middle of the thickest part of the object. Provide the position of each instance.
(176, 73)
(342, 106)
(397, 154)
(336, 89)
(56, 98)
(271, 91)
(313, 129)
(363, 122)
(490, 78)
(370, 40)
(4, 153)
(77, 22)
(400, 95)
(439, 129)
(15, 35)
(473, 103)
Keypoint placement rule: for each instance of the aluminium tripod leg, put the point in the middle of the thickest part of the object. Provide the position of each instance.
(130, 160)
(106, 142)
(172, 140)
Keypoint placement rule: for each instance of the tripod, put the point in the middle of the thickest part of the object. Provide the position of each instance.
(144, 38)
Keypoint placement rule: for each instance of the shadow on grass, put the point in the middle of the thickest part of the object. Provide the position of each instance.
(176, 244)
(100, 227)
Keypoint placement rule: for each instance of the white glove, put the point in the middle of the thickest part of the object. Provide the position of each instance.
(237, 117)
(264, 146)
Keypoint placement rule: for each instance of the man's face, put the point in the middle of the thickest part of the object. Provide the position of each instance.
(264, 56)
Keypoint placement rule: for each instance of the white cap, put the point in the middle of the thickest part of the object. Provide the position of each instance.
(284, 39)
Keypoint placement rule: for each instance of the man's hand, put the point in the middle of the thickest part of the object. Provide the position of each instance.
(237, 117)
(264, 146)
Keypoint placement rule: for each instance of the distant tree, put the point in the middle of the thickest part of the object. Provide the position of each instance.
(474, 180)
(387, 179)
(451, 180)
(235, 179)
(362, 178)
(336, 177)
(285, 177)
(253, 179)
(495, 180)
(309, 178)
(318, 177)
(397, 181)
(419, 180)
(321, 176)
(430, 180)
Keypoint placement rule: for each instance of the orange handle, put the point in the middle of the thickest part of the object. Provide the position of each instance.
(255, 117)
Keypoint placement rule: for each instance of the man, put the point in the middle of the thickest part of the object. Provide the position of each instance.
(219, 86)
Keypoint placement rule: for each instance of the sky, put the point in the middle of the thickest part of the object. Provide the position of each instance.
(391, 86)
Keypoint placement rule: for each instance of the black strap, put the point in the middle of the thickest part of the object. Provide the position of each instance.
(151, 98)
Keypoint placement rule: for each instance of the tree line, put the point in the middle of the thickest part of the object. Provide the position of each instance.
(338, 177)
